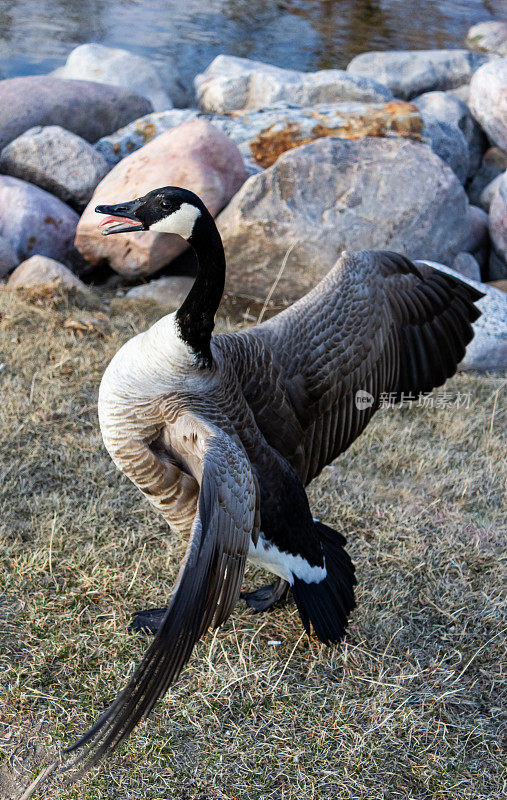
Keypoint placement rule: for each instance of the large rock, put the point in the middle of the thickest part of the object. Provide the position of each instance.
(33, 221)
(38, 270)
(56, 160)
(488, 100)
(461, 92)
(489, 192)
(8, 257)
(496, 271)
(448, 142)
(455, 115)
(412, 72)
(477, 242)
(264, 135)
(232, 84)
(334, 194)
(493, 163)
(196, 156)
(89, 109)
(488, 349)
(468, 266)
(169, 291)
(95, 62)
(498, 229)
(489, 37)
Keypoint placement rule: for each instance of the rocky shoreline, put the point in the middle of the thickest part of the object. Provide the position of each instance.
(403, 150)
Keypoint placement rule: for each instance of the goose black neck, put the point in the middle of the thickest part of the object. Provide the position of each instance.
(196, 316)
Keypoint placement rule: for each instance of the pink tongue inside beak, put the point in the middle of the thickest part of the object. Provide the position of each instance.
(123, 220)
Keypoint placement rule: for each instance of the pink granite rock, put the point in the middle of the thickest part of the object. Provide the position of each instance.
(196, 156)
(35, 222)
(38, 270)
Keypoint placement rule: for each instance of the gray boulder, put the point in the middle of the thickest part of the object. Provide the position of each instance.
(56, 160)
(461, 92)
(334, 194)
(262, 136)
(116, 67)
(467, 265)
(233, 84)
(451, 111)
(488, 349)
(39, 270)
(89, 109)
(498, 229)
(489, 192)
(477, 242)
(497, 271)
(169, 291)
(8, 257)
(489, 37)
(409, 73)
(494, 162)
(33, 221)
(448, 142)
(488, 100)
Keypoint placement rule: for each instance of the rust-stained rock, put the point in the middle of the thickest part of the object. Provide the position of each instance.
(347, 121)
(262, 136)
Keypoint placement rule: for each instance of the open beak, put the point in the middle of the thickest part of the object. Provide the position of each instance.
(124, 213)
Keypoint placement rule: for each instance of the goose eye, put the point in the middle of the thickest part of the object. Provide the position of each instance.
(165, 204)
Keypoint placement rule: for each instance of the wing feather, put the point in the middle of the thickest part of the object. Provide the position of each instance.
(207, 587)
(376, 323)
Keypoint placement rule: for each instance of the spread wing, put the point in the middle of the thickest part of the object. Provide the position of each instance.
(210, 579)
(377, 325)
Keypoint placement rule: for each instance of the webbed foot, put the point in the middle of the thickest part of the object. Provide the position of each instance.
(148, 621)
(267, 596)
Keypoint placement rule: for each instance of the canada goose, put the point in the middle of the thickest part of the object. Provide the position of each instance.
(222, 433)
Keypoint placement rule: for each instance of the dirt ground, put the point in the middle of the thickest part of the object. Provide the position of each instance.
(408, 706)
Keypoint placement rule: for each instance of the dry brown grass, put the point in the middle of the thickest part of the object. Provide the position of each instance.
(408, 707)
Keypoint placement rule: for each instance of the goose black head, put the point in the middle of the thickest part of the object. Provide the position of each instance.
(166, 210)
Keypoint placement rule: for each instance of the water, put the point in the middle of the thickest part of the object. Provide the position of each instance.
(37, 35)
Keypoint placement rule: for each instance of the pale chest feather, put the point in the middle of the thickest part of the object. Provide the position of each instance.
(154, 364)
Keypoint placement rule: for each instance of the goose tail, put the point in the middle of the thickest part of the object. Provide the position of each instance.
(326, 604)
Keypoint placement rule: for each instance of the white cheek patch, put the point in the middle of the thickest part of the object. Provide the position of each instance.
(181, 221)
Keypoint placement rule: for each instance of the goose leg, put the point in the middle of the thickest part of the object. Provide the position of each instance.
(267, 596)
(148, 621)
